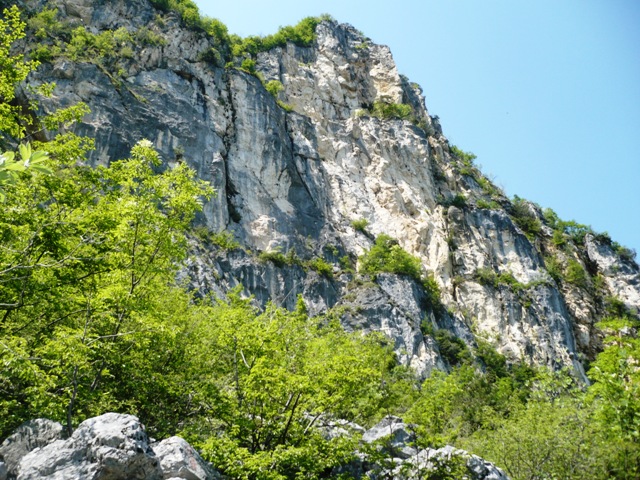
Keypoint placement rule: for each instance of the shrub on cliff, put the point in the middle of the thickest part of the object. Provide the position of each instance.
(387, 256)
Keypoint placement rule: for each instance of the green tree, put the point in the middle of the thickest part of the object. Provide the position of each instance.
(85, 254)
(543, 439)
(271, 378)
(616, 394)
(13, 70)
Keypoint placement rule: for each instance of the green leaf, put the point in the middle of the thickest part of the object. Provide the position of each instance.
(25, 151)
(42, 169)
(6, 157)
(15, 167)
(39, 156)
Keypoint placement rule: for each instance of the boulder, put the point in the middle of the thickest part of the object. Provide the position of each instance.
(447, 461)
(109, 447)
(27, 437)
(178, 459)
(395, 436)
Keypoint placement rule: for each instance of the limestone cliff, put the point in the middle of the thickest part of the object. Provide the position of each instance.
(293, 173)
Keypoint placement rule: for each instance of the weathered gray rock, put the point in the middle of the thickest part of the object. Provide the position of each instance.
(430, 461)
(178, 459)
(30, 435)
(109, 447)
(393, 435)
(331, 429)
(622, 275)
(4, 471)
(403, 461)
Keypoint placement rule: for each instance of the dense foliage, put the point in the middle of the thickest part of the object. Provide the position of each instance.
(92, 320)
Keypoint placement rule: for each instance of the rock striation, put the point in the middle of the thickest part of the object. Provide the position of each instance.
(295, 170)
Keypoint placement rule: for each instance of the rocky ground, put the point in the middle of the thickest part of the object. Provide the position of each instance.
(116, 447)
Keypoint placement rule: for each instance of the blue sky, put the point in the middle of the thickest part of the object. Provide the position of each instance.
(545, 93)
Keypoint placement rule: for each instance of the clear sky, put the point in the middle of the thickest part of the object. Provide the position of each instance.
(546, 93)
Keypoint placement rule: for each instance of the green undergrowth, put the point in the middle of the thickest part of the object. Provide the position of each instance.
(464, 163)
(302, 34)
(458, 200)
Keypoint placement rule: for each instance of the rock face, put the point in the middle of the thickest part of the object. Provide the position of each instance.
(296, 178)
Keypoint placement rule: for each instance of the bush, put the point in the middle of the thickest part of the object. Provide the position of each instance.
(576, 231)
(319, 265)
(554, 267)
(488, 205)
(148, 37)
(85, 46)
(507, 278)
(614, 307)
(433, 293)
(360, 224)
(487, 276)
(225, 240)
(249, 66)
(488, 187)
(274, 256)
(558, 238)
(303, 34)
(495, 362)
(426, 327)
(466, 158)
(46, 24)
(42, 54)
(274, 87)
(576, 274)
(211, 55)
(387, 256)
(386, 110)
(459, 201)
(524, 217)
(452, 349)
(279, 259)
(551, 218)
(623, 252)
